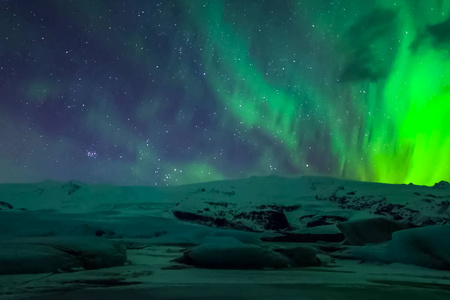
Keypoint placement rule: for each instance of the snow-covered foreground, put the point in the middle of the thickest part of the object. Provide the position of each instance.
(265, 237)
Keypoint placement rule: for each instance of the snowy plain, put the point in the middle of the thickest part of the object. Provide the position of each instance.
(266, 237)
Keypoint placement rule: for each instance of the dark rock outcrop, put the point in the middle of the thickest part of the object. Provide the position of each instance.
(442, 185)
(259, 220)
(268, 219)
(5, 206)
(208, 221)
(322, 220)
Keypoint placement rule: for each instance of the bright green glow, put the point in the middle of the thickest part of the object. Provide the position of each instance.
(423, 140)
(394, 130)
(416, 97)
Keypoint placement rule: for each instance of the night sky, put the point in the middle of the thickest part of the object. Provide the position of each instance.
(145, 92)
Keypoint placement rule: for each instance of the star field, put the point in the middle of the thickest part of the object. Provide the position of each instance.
(173, 92)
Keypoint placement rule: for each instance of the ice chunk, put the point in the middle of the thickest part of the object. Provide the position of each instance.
(32, 259)
(426, 246)
(229, 253)
(369, 231)
(301, 256)
(51, 254)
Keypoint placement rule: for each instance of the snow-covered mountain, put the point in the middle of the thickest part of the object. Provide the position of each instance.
(306, 201)
(282, 204)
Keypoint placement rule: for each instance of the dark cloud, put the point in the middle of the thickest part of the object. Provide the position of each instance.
(361, 66)
(361, 42)
(438, 34)
(377, 24)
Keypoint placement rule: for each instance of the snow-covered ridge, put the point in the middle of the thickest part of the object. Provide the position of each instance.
(286, 204)
(295, 203)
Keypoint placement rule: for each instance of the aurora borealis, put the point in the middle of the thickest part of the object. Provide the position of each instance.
(172, 92)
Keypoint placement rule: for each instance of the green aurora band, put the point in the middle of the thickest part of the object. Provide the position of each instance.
(397, 120)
